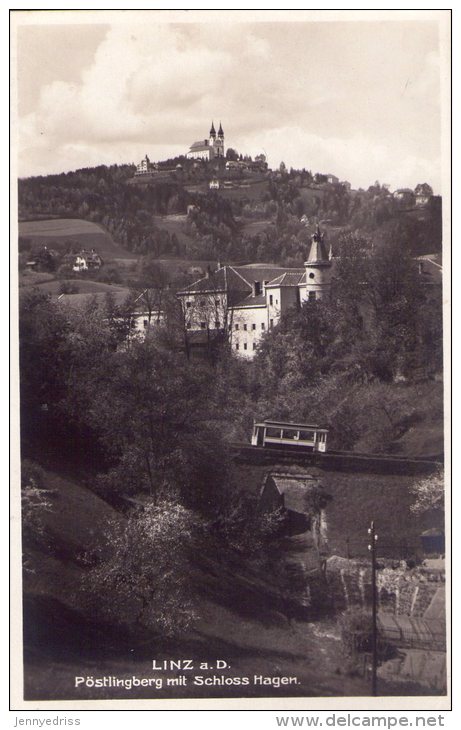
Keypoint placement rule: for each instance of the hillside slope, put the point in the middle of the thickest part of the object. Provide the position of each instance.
(59, 233)
(239, 621)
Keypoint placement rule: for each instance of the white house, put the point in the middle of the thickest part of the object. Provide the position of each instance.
(85, 260)
(145, 166)
(244, 302)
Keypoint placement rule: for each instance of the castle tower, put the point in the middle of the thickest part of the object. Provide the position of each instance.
(318, 267)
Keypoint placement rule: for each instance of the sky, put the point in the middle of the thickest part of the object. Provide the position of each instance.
(358, 99)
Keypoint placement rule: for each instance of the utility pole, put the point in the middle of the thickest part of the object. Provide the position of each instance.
(374, 638)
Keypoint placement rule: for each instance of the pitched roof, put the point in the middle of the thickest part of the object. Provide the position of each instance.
(261, 272)
(249, 301)
(215, 282)
(289, 278)
(238, 282)
(200, 145)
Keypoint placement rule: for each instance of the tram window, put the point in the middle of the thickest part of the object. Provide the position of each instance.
(288, 434)
(306, 435)
(273, 433)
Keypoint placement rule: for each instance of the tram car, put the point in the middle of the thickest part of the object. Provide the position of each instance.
(275, 434)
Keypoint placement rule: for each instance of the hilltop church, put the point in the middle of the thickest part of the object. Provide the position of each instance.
(243, 302)
(208, 149)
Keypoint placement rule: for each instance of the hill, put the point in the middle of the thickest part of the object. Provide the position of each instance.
(130, 212)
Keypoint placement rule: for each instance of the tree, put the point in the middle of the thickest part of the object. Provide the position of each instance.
(429, 493)
(35, 503)
(423, 189)
(143, 576)
(232, 154)
(155, 420)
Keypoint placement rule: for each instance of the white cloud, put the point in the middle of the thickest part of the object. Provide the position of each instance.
(358, 159)
(155, 89)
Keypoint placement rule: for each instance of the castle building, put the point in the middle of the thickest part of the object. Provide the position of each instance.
(208, 149)
(244, 302)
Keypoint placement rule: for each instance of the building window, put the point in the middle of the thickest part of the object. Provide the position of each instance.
(245, 327)
(311, 275)
(271, 299)
(244, 345)
(312, 296)
(263, 326)
(202, 325)
(253, 326)
(188, 325)
(271, 323)
(217, 302)
(236, 345)
(254, 345)
(257, 288)
(216, 323)
(188, 304)
(146, 322)
(236, 326)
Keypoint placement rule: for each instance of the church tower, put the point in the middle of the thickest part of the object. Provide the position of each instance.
(212, 135)
(318, 267)
(219, 143)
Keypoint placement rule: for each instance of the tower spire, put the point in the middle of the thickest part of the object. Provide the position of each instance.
(220, 131)
(318, 254)
(212, 130)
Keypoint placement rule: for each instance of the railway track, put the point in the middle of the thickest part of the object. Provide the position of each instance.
(337, 460)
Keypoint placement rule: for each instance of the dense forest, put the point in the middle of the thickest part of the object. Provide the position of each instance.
(218, 227)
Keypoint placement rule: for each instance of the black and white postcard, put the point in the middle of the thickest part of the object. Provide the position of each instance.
(231, 254)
